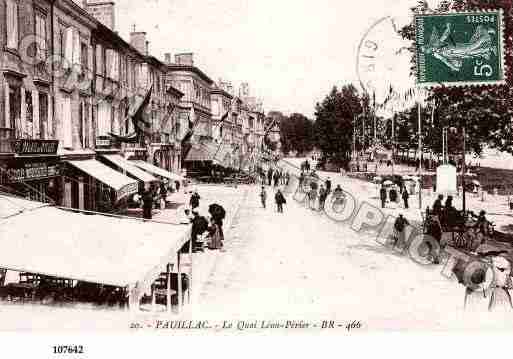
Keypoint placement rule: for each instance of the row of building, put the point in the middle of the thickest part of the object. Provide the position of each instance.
(72, 91)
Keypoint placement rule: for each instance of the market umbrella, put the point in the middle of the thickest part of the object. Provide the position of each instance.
(476, 182)
(377, 179)
(388, 183)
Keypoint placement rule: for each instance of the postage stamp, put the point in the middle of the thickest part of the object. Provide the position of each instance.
(458, 49)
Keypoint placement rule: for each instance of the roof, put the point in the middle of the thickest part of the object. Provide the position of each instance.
(130, 168)
(122, 184)
(197, 71)
(157, 170)
(93, 248)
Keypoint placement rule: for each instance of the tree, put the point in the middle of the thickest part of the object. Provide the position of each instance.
(486, 111)
(333, 127)
(296, 134)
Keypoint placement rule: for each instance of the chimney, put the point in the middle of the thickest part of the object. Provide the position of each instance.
(167, 58)
(147, 49)
(103, 11)
(138, 41)
(184, 59)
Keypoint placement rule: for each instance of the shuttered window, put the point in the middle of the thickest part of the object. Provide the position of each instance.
(67, 125)
(41, 36)
(99, 60)
(12, 24)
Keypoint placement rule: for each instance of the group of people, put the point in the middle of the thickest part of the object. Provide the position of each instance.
(275, 177)
(393, 195)
(279, 199)
(209, 229)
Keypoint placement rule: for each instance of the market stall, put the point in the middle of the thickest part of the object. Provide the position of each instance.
(93, 248)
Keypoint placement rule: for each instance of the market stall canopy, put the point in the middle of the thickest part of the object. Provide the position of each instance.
(93, 248)
(130, 168)
(157, 170)
(123, 185)
(388, 183)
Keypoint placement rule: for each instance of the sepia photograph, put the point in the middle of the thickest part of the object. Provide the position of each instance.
(240, 167)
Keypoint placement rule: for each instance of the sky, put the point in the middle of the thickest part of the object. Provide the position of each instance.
(291, 52)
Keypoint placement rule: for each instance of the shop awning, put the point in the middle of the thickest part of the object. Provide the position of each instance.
(93, 248)
(202, 152)
(123, 185)
(129, 167)
(157, 170)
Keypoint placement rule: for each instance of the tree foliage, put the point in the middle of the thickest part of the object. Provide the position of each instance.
(297, 134)
(335, 118)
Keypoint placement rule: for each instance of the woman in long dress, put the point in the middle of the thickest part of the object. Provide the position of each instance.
(215, 236)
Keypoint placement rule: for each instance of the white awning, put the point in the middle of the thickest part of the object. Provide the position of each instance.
(123, 185)
(157, 170)
(130, 168)
(93, 248)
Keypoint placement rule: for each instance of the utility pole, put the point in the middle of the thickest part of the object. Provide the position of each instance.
(354, 137)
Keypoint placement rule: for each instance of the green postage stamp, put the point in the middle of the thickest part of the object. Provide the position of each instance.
(459, 49)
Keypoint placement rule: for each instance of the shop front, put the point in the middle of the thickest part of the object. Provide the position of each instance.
(33, 171)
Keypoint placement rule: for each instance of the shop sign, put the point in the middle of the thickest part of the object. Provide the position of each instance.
(103, 142)
(32, 171)
(35, 147)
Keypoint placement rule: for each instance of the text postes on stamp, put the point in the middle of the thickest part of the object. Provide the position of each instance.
(458, 49)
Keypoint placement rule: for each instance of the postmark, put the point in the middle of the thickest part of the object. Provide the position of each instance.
(460, 49)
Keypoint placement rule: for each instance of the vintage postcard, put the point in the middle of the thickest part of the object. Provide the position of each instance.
(255, 167)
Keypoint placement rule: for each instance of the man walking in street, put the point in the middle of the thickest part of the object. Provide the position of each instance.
(323, 194)
(406, 196)
(328, 186)
(263, 196)
(280, 201)
(399, 227)
(383, 196)
(270, 176)
(194, 202)
(147, 204)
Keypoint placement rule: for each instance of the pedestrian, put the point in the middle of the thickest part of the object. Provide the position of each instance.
(263, 196)
(383, 196)
(214, 232)
(270, 176)
(276, 179)
(147, 200)
(280, 201)
(328, 185)
(406, 196)
(323, 194)
(194, 201)
(313, 196)
(399, 227)
(199, 226)
(437, 206)
(163, 194)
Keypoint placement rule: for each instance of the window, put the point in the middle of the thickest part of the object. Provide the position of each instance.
(29, 116)
(215, 108)
(12, 24)
(112, 64)
(15, 109)
(104, 118)
(84, 54)
(99, 60)
(41, 36)
(43, 116)
(67, 136)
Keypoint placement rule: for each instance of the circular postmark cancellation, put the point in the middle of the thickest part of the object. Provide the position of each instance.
(460, 48)
(383, 58)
